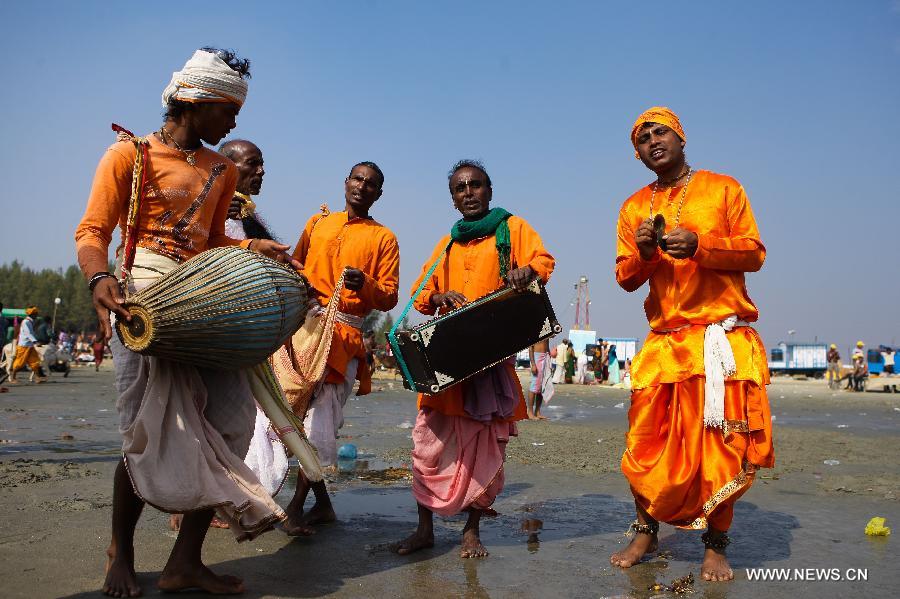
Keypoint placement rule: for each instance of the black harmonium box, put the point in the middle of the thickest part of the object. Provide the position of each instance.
(454, 346)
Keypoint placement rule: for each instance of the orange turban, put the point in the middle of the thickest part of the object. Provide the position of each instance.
(31, 311)
(657, 114)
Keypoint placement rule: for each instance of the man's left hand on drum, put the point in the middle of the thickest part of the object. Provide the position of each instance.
(276, 251)
(107, 297)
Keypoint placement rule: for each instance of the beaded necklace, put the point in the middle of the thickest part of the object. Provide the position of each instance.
(690, 174)
(188, 154)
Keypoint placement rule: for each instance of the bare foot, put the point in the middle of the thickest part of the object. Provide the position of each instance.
(715, 567)
(293, 527)
(471, 545)
(639, 546)
(541, 417)
(200, 578)
(175, 522)
(216, 522)
(414, 542)
(319, 515)
(121, 580)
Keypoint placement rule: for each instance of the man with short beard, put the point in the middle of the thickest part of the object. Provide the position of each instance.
(699, 422)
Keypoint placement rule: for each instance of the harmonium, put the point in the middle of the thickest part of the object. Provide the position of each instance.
(449, 349)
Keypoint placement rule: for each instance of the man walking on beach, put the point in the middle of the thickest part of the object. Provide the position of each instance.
(354, 244)
(560, 371)
(541, 388)
(185, 429)
(699, 422)
(460, 435)
(26, 354)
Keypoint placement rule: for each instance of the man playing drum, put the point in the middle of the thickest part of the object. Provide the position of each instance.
(458, 458)
(699, 422)
(354, 244)
(180, 212)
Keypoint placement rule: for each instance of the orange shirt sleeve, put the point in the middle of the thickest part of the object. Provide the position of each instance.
(529, 249)
(741, 249)
(433, 285)
(110, 193)
(379, 291)
(632, 271)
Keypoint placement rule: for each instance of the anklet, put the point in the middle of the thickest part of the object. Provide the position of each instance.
(720, 543)
(645, 529)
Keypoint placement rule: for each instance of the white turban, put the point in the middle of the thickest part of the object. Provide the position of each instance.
(206, 78)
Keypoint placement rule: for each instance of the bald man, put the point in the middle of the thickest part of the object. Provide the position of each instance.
(243, 221)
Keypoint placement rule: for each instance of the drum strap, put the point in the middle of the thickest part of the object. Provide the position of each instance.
(138, 178)
(392, 335)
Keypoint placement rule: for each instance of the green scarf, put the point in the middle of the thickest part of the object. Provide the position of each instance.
(492, 223)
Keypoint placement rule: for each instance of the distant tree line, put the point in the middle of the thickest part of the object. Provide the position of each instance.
(21, 286)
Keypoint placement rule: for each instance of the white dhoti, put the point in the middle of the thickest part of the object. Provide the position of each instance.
(186, 430)
(267, 456)
(326, 415)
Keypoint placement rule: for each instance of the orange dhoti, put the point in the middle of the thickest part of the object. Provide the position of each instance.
(26, 356)
(684, 473)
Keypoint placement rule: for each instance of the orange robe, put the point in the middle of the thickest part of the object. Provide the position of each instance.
(680, 471)
(473, 269)
(327, 245)
(182, 213)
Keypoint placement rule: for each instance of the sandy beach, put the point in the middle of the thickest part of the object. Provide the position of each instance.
(564, 509)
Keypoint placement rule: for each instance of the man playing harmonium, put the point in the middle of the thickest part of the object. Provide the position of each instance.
(353, 244)
(699, 422)
(177, 213)
(458, 457)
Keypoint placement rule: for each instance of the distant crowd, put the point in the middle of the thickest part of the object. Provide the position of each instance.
(30, 343)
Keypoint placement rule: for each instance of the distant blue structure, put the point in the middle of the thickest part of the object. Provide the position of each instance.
(876, 360)
(799, 358)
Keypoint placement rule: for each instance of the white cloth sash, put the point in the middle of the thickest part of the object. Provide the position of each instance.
(718, 363)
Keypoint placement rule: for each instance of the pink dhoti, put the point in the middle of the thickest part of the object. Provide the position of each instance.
(458, 461)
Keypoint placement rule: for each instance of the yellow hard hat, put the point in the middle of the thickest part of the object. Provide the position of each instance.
(859, 344)
(833, 346)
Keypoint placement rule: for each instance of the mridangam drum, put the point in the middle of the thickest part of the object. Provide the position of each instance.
(224, 308)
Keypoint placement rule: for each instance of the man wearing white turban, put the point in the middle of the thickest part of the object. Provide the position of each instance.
(176, 211)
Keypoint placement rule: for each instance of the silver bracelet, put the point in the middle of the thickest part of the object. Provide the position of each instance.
(97, 277)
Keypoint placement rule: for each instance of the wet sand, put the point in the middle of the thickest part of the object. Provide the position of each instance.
(563, 511)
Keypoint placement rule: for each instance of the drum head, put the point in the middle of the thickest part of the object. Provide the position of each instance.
(137, 334)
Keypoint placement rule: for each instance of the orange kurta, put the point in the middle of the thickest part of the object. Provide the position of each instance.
(182, 213)
(327, 245)
(473, 269)
(680, 471)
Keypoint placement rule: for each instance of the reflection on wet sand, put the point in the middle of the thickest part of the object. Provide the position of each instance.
(532, 526)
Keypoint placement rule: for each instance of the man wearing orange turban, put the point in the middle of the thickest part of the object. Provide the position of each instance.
(26, 354)
(699, 421)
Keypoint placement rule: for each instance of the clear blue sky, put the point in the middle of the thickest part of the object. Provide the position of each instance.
(798, 100)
